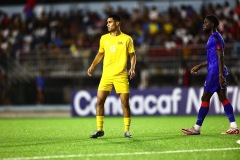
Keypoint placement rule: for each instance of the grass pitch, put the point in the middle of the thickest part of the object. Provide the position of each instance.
(153, 138)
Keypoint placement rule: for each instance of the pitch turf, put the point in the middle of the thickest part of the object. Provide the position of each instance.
(153, 138)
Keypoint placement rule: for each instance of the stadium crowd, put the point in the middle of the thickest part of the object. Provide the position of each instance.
(79, 32)
(147, 25)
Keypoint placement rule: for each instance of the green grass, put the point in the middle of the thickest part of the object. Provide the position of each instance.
(153, 138)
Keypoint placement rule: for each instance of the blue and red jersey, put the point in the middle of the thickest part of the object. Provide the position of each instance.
(215, 42)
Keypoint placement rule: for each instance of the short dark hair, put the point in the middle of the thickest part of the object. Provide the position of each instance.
(115, 17)
(213, 19)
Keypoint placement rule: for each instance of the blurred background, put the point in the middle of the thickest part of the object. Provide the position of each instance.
(46, 47)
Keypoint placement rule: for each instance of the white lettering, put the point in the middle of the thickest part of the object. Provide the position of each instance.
(164, 109)
(193, 101)
(76, 103)
(234, 98)
(216, 103)
(175, 98)
(238, 103)
(115, 104)
(150, 104)
(137, 105)
(92, 106)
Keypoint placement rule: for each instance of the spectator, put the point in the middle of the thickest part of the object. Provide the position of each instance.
(40, 86)
(28, 9)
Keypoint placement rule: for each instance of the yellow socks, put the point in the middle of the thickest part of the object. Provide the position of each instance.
(99, 120)
(126, 122)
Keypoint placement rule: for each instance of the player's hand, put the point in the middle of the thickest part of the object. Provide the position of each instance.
(222, 81)
(131, 73)
(90, 70)
(195, 69)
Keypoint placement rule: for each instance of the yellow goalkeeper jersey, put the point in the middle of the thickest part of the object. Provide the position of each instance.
(116, 50)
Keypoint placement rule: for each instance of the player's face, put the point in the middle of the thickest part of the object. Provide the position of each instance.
(207, 26)
(112, 25)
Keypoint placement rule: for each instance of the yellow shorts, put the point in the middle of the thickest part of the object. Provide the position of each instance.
(120, 84)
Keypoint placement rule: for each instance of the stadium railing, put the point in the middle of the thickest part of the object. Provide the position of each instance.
(155, 59)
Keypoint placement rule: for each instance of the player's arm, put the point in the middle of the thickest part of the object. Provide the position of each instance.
(95, 62)
(220, 54)
(133, 64)
(199, 66)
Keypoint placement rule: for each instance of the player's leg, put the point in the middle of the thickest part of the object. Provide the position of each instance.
(228, 109)
(121, 85)
(104, 89)
(203, 111)
(211, 86)
(101, 98)
(124, 97)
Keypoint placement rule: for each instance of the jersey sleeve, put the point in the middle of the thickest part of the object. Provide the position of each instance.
(101, 45)
(219, 44)
(130, 46)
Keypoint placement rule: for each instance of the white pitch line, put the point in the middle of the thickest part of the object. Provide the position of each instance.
(121, 154)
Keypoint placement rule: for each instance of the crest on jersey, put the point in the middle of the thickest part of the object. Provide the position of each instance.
(120, 43)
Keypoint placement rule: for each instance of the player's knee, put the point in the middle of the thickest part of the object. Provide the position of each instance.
(221, 99)
(125, 104)
(100, 102)
(204, 99)
(206, 96)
